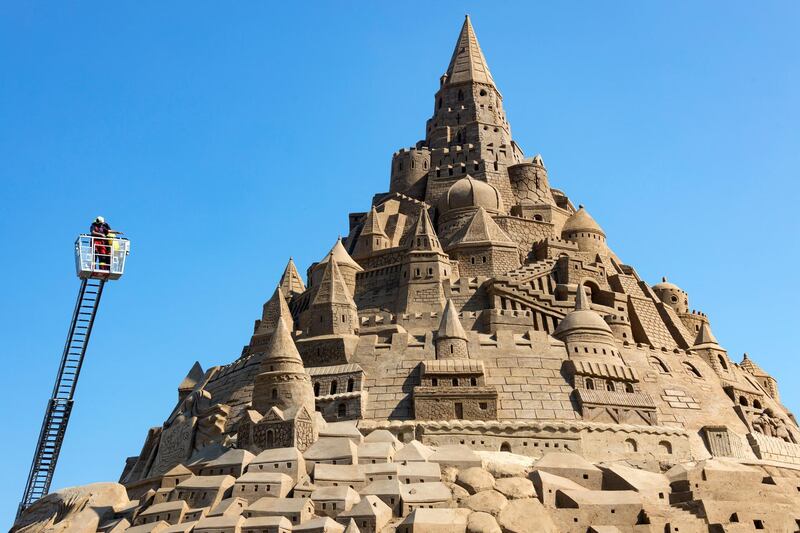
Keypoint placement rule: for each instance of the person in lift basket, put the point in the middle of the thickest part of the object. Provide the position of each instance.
(103, 243)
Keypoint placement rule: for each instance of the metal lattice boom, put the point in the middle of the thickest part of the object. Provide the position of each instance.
(59, 406)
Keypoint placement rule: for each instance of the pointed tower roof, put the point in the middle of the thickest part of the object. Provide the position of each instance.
(423, 237)
(481, 228)
(468, 63)
(372, 236)
(281, 348)
(191, 380)
(332, 288)
(341, 256)
(274, 309)
(704, 336)
(749, 365)
(372, 225)
(291, 283)
(450, 326)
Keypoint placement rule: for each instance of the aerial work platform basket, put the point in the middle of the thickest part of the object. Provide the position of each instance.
(101, 257)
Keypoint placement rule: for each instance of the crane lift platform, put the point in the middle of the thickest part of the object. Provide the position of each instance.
(97, 260)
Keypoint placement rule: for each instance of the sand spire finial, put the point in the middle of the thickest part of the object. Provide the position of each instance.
(581, 301)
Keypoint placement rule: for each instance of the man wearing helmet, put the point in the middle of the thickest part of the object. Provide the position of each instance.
(101, 231)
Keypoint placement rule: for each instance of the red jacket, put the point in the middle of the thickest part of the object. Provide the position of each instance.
(99, 229)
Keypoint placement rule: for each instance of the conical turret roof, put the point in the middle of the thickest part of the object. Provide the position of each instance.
(291, 283)
(423, 237)
(194, 377)
(275, 308)
(481, 228)
(468, 63)
(281, 349)
(450, 326)
(704, 336)
(749, 365)
(341, 256)
(332, 288)
(372, 225)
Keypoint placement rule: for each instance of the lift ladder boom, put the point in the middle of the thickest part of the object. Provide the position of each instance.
(59, 406)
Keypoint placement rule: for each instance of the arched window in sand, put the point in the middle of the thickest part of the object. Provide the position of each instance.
(692, 371)
(594, 289)
(743, 401)
(658, 364)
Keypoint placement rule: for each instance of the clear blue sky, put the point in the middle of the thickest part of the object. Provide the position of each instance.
(224, 138)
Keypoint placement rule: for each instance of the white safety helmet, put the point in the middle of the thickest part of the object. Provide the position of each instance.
(100, 220)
